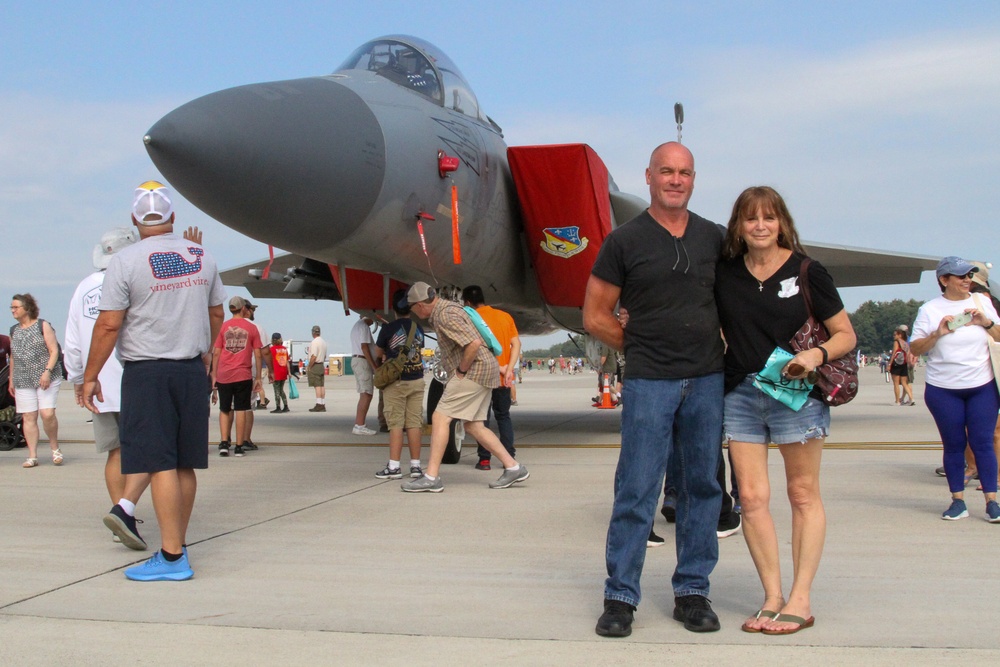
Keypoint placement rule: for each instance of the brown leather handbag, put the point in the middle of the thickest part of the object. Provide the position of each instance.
(837, 379)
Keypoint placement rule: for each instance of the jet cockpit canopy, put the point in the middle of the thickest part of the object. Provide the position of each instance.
(419, 66)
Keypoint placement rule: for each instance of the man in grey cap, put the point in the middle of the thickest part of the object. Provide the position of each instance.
(315, 369)
(473, 373)
(161, 302)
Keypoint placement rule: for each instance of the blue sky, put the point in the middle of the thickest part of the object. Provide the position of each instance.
(876, 121)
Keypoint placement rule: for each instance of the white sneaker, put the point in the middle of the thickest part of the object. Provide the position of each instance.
(363, 430)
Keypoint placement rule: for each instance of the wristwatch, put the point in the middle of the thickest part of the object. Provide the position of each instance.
(990, 326)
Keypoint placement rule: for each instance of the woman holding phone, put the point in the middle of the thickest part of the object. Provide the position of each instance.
(954, 330)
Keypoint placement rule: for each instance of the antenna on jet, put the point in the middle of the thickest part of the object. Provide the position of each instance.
(679, 117)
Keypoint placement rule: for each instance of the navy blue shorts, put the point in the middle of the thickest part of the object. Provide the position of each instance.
(164, 416)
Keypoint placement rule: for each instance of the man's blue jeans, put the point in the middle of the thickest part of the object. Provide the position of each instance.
(661, 416)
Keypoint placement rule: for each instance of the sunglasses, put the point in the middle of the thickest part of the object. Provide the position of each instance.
(798, 372)
(963, 277)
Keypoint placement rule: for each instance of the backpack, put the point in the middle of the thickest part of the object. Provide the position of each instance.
(484, 330)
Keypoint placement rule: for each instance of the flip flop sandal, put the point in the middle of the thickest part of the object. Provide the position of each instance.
(57, 457)
(765, 613)
(29, 463)
(803, 623)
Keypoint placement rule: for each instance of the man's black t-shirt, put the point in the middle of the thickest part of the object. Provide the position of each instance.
(667, 285)
(755, 321)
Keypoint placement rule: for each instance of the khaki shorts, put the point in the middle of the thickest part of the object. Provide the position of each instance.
(363, 375)
(466, 400)
(106, 431)
(404, 404)
(316, 376)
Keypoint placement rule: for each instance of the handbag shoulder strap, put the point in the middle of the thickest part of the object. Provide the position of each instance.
(979, 304)
(804, 285)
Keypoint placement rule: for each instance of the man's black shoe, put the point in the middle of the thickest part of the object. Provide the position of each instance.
(616, 621)
(123, 525)
(249, 446)
(695, 612)
(669, 509)
(728, 525)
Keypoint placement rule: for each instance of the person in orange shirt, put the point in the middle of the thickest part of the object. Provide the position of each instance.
(502, 326)
(279, 372)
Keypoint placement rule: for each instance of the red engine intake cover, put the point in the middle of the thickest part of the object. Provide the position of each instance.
(566, 208)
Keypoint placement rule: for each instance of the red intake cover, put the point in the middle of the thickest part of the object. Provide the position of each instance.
(566, 208)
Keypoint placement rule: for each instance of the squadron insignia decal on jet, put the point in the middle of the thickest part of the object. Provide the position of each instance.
(563, 241)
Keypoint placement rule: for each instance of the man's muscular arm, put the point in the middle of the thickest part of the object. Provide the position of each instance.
(599, 318)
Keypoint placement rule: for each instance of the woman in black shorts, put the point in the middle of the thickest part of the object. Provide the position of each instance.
(898, 368)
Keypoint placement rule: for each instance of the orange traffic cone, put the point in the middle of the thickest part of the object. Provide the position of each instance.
(606, 395)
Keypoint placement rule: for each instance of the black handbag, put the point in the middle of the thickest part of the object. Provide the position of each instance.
(837, 379)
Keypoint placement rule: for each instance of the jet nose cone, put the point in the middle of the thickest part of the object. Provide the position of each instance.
(306, 153)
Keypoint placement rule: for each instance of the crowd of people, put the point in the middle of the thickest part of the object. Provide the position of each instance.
(148, 349)
(690, 315)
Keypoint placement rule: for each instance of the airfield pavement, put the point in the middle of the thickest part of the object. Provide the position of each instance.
(302, 557)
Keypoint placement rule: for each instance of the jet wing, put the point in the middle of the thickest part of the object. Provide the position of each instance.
(291, 277)
(857, 267)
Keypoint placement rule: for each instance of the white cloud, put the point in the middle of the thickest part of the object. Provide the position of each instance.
(915, 75)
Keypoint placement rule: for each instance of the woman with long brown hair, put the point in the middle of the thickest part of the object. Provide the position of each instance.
(761, 307)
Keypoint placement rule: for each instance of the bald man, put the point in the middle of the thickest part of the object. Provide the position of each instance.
(660, 266)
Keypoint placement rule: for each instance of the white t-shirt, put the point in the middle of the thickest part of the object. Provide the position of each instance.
(83, 312)
(961, 359)
(317, 348)
(166, 285)
(361, 333)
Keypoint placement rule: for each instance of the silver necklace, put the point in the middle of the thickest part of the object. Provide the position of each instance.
(760, 283)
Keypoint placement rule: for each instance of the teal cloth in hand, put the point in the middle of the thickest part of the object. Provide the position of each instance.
(791, 392)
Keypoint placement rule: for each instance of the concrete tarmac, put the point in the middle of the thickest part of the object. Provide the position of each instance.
(302, 557)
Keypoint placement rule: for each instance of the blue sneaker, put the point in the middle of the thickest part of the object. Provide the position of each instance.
(993, 512)
(957, 510)
(158, 568)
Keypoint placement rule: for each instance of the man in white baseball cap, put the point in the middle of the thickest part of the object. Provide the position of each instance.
(160, 310)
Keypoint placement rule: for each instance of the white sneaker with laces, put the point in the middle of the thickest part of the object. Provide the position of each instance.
(363, 430)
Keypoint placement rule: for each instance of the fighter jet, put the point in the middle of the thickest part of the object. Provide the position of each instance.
(387, 172)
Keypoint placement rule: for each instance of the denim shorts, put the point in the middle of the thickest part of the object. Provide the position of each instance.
(752, 416)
